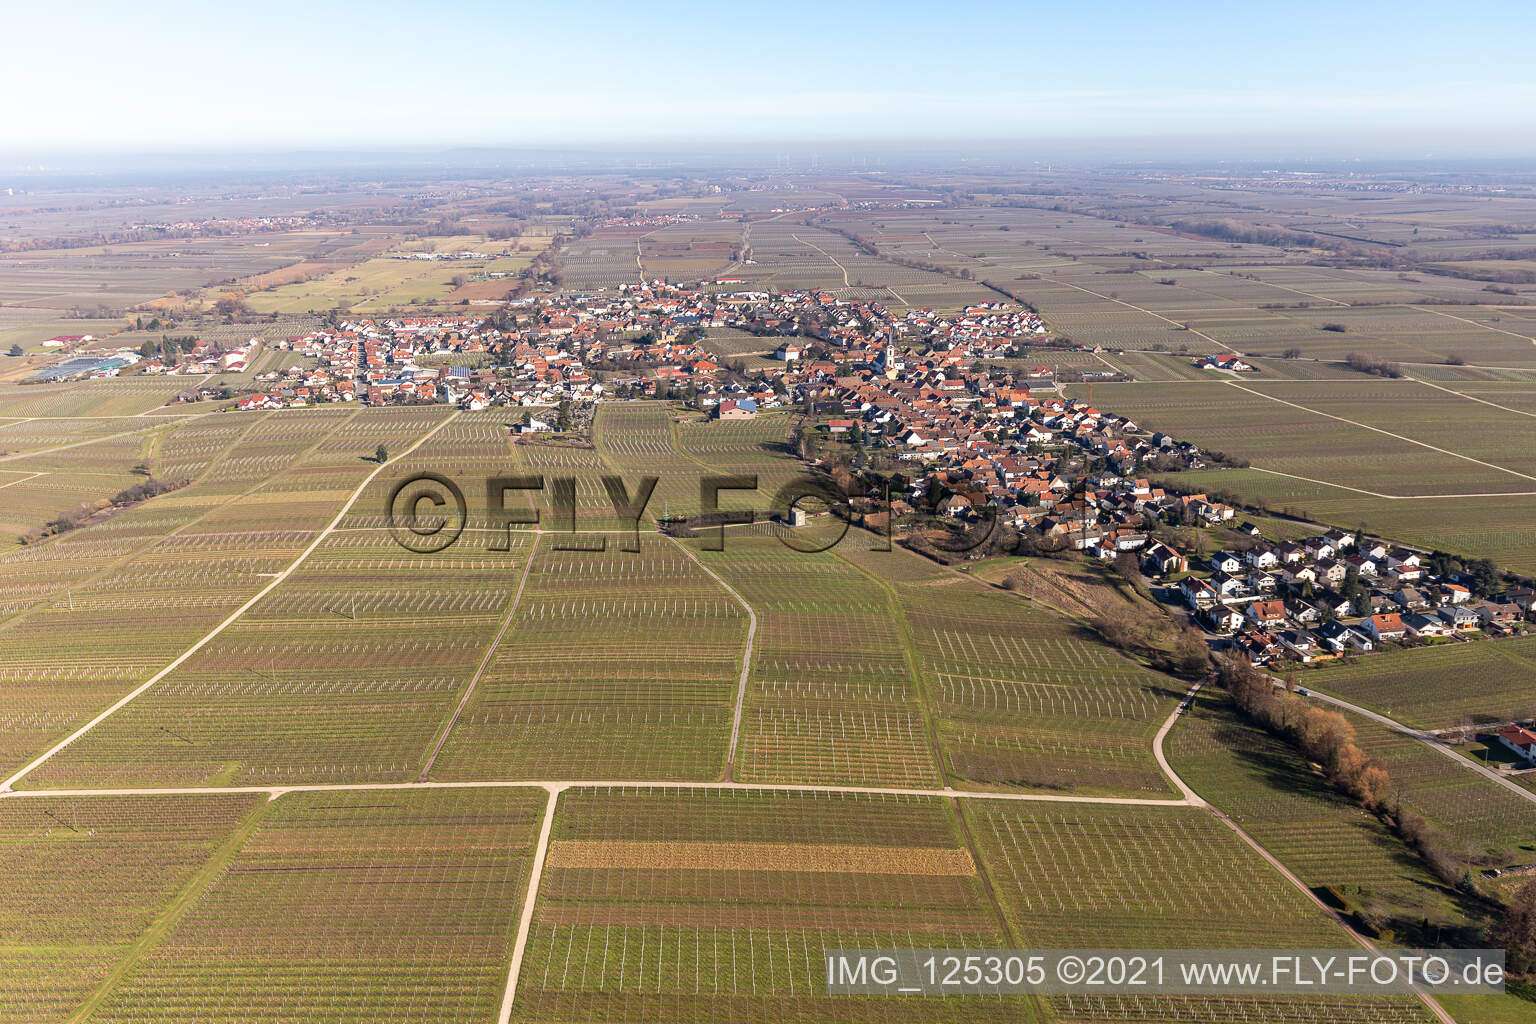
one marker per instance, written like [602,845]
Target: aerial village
[933,395]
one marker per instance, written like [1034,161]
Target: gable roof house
[1267,613]
[1420,624]
[1225,561]
[1386,627]
[1522,741]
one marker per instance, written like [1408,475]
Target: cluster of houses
[1228,361]
[1333,594]
[205,358]
[646,339]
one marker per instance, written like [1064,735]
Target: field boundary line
[273,792]
[530,901]
[235,616]
[1474,323]
[1162,733]
[1470,398]
[28,476]
[1397,497]
[485,663]
[1387,433]
[195,888]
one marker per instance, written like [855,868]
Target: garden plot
[349,908]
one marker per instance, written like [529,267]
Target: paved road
[1427,738]
[1428,1000]
[530,899]
[273,792]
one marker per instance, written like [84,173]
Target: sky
[104,76]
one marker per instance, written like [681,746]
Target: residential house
[1522,741]
[1225,561]
[1267,613]
[1460,617]
[1421,625]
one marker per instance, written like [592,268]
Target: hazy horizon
[1311,79]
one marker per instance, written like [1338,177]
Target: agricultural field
[1491,821]
[86,878]
[247,520]
[261,764]
[1443,686]
[346,907]
[1430,464]
[1316,832]
[832,698]
[1120,877]
[1021,697]
[615,665]
[383,283]
[699,905]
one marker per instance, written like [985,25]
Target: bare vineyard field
[1021,697]
[1489,819]
[348,908]
[85,878]
[1311,828]
[832,698]
[711,906]
[251,528]
[616,664]
[1442,686]
[1127,877]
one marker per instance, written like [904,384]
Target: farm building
[1522,741]
[736,409]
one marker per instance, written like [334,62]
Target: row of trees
[1327,739]
[1364,362]
[1323,737]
